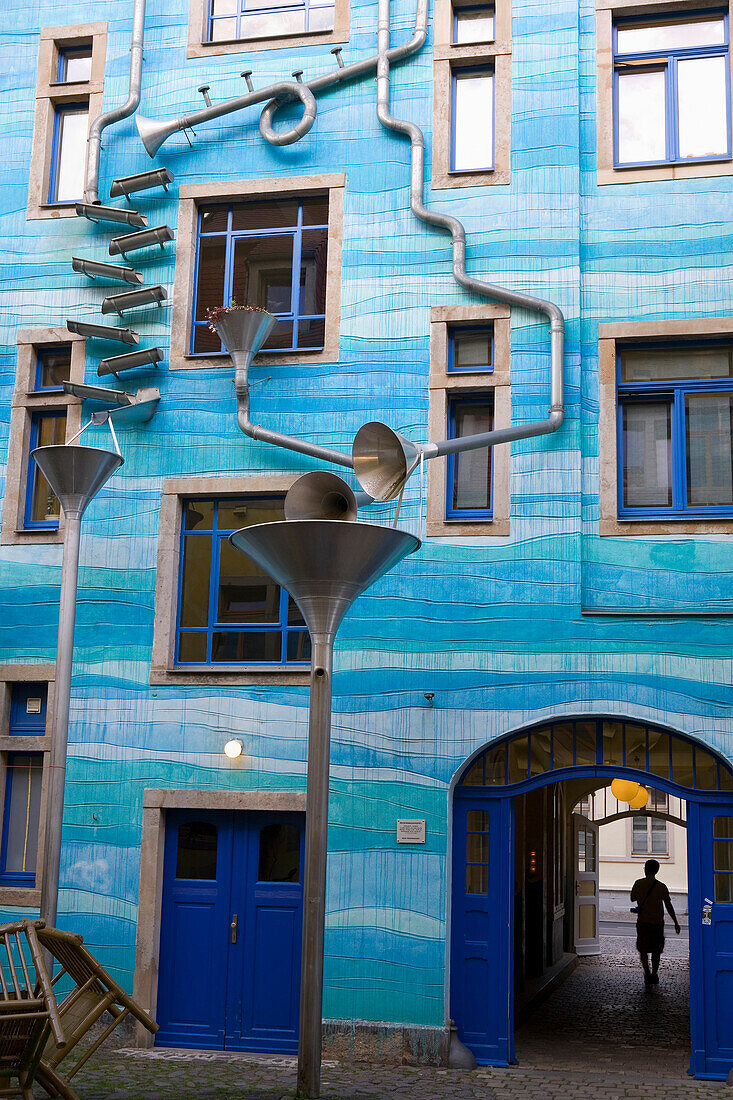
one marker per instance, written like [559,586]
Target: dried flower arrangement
[215,313]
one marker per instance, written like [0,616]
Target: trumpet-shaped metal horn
[154,132]
[383,460]
[320,495]
[243,332]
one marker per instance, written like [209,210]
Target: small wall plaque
[33,706]
[410,830]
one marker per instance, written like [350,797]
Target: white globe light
[233,749]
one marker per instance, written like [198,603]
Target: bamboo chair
[94,993]
[29,1015]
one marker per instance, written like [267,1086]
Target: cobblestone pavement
[602,1035]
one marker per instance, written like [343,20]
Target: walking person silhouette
[652,898]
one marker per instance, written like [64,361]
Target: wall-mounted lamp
[430,695]
[233,749]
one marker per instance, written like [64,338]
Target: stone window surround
[193,195]
[441,386]
[198,18]
[49,94]
[606,10]
[608,336]
[26,897]
[25,403]
[155,804]
[445,54]
[163,670]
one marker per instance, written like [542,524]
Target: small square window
[472,24]
[21,818]
[469,480]
[75,64]
[28,710]
[42,509]
[472,119]
[270,254]
[671,89]
[53,367]
[69,153]
[470,349]
[229,611]
[675,430]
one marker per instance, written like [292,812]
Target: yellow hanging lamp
[640,799]
[624,789]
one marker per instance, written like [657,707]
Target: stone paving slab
[602,1035]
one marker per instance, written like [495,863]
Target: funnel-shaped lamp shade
[320,495]
[243,332]
[324,564]
[383,460]
[76,474]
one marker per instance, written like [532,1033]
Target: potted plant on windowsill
[241,329]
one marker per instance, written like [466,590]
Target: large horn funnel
[383,460]
[324,564]
[76,474]
[320,495]
[243,332]
[154,132]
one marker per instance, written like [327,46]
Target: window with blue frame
[21,818]
[469,480]
[244,20]
[470,349]
[675,430]
[68,152]
[271,254]
[53,368]
[472,23]
[75,64]
[28,704]
[671,88]
[229,611]
[42,508]
[472,118]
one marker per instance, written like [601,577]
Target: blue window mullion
[213,584]
[679,451]
[672,111]
[284,625]
[295,286]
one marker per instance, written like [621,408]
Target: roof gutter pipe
[477,286]
[94,141]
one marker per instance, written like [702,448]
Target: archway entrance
[492,887]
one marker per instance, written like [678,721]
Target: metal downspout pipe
[94,141]
[264,435]
[489,290]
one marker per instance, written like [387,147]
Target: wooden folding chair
[29,1015]
[94,993]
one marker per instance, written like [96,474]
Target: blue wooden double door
[231,926]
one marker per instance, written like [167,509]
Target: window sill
[230,675]
[488,177]
[670,526]
[340,35]
[187,361]
[450,528]
[652,173]
[50,210]
[24,897]
[25,537]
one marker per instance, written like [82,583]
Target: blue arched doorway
[484,882]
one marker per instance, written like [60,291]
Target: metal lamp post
[324,564]
[76,474]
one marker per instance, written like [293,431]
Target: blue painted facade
[498,628]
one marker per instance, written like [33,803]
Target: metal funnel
[324,564]
[320,495]
[383,460]
[243,332]
[153,132]
[76,474]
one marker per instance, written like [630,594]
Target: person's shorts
[649,938]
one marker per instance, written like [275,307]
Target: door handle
[233,927]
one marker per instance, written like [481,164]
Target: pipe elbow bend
[557,415]
[301,128]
